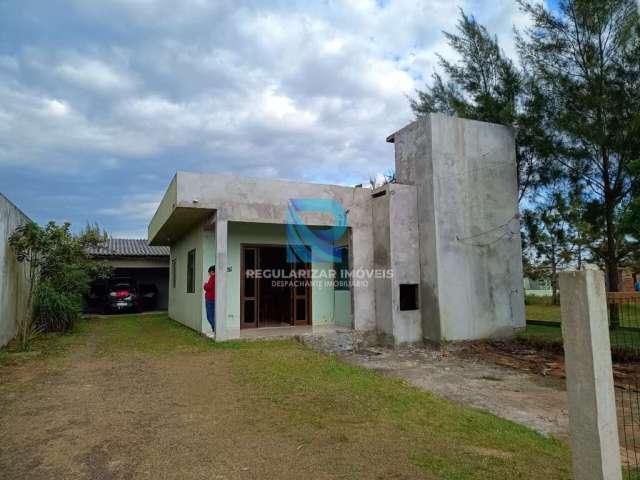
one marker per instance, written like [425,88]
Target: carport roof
[129,247]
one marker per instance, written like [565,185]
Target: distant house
[137,260]
[628,277]
[538,287]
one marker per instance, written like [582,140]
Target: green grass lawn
[626,340]
[543,313]
[548,333]
[276,408]
[629,314]
[621,339]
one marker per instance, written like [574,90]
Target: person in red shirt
[210,298]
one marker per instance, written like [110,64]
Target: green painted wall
[328,306]
[188,308]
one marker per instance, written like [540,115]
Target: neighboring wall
[470,252]
[13,275]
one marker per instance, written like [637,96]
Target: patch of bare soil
[532,400]
[523,357]
[510,379]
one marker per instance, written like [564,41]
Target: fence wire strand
[624,328]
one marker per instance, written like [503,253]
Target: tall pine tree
[485,85]
[585,59]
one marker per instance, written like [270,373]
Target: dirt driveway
[98,417]
[145,398]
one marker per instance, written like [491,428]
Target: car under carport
[133,258]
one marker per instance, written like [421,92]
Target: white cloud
[110,163]
[293,90]
[94,74]
[138,206]
[281,109]
[55,108]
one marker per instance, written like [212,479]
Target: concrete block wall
[382,261]
[396,248]
[468,224]
[405,250]
[14,284]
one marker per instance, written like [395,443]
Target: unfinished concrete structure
[447,230]
[14,284]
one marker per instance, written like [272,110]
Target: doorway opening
[275,297]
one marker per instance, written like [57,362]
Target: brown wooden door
[249,291]
[301,297]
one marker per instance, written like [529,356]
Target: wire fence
[624,327]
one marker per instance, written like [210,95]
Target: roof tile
[129,247]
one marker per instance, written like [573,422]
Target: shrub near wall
[60,270]
[53,310]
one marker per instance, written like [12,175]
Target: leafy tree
[585,60]
[59,273]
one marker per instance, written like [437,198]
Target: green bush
[55,310]
[59,272]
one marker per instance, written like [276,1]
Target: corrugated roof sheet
[129,247]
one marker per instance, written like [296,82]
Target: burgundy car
[123,296]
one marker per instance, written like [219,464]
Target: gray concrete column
[224,331]
[592,406]
[361,248]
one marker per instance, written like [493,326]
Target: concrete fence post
[592,407]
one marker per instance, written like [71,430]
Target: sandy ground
[539,402]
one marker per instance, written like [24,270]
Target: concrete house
[446,234]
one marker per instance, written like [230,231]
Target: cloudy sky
[101,102]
